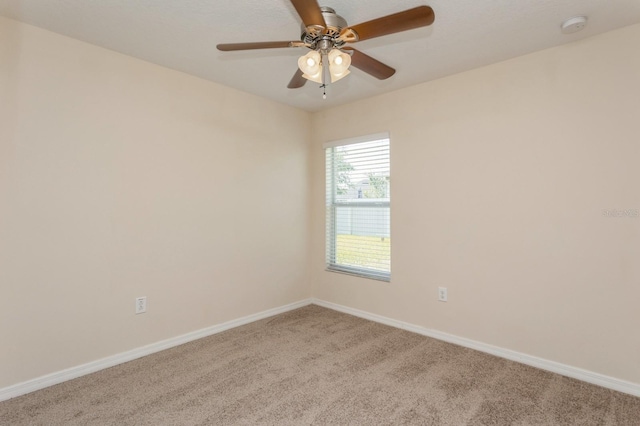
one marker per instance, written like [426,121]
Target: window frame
[332,205]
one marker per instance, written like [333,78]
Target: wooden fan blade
[297,81]
[417,17]
[369,65]
[309,12]
[258,45]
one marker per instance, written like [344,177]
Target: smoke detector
[573,25]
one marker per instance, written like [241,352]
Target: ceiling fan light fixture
[335,77]
[339,63]
[311,63]
[317,77]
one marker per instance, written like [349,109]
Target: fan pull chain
[324,91]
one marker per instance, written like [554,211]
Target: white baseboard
[544,364]
[91,367]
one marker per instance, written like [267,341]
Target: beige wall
[118,179]
[500,176]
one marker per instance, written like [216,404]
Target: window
[358,234]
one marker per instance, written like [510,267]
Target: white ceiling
[182,35]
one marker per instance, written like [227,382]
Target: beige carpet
[317,366]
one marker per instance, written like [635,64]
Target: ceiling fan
[326,34]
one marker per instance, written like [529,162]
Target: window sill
[381,276]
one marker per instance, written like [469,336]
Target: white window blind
[358,234]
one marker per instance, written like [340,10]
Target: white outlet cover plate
[141,305]
[442,294]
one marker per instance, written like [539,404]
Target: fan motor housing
[335,23]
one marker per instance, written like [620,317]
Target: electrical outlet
[442,294]
[141,305]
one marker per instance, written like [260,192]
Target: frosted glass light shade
[339,63]
[336,77]
[311,66]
